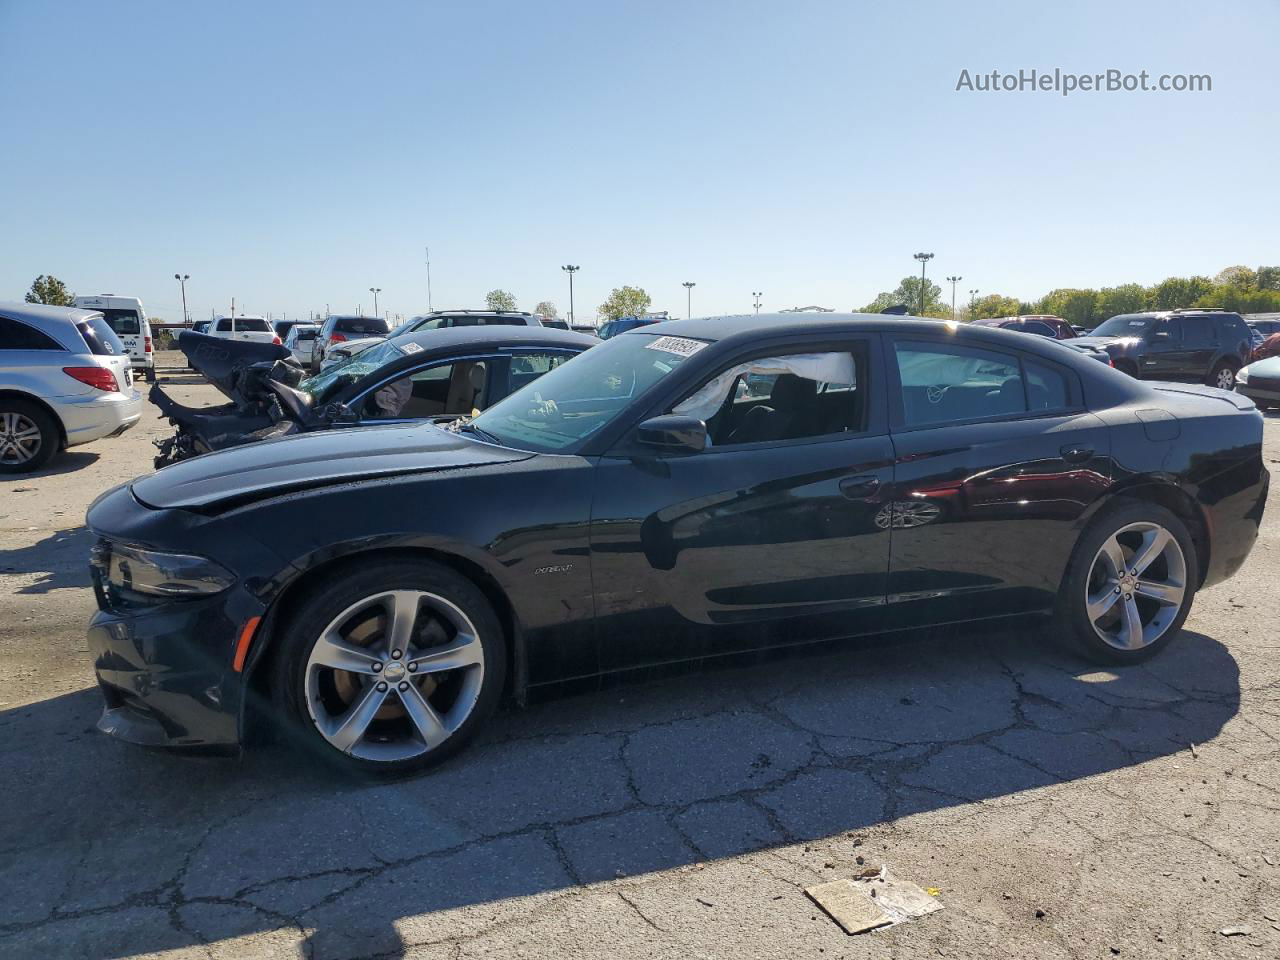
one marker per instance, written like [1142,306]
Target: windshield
[576,399]
[1125,325]
[324,385]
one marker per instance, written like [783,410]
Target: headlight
[1242,375]
[131,570]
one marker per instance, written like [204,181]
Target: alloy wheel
[19,438]
[1226,379]
[1136,586]
[394,675]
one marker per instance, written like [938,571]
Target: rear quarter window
[100,338]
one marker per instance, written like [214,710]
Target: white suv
[255,329]
[126,317]
[64,380]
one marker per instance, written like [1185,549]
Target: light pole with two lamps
[923,258]
[688,301]
[571,269]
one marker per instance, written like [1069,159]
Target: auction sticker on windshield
[681,346]
[412,348]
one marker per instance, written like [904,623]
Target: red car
[1041,324]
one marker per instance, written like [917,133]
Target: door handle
[1076,452]
[856,488]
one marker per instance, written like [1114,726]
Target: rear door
[1164,355]
[996,459]
[1199,347]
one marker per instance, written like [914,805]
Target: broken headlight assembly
[129,575]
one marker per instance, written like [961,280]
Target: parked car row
[679,492]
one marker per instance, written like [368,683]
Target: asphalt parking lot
[1058,809]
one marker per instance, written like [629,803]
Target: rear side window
[1039,329]
[943,383]
[123,322]
[1197,331]
[364,326]
[1046,387]
[99,338]
[15,335]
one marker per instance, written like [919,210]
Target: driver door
[777,533]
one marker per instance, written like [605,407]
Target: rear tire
[1112,616]
[29,436]
[420,666]
[1222,376]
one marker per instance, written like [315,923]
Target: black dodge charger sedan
[683,491]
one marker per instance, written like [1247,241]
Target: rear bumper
[88,418]
[1233,504]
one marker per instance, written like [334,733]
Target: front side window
[779,398]
[579,398]
[446,388]
[945,382]
[15,335]
[527,367]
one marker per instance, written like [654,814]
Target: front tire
[1129,585]
[29,436]
[392,669]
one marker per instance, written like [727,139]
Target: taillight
[146,347]
[276,341]
[337,338]
[100,378]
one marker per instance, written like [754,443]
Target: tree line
[1239,288]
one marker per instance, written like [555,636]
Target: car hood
[1268,367]
[1103,343]
[311,460]
[222,362]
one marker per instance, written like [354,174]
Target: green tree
[49,289]
[500,300]
[1241,301]
[994,305]
[625,302]
[1174,292]
[546,309]
[1238,276]
[1073,305]
[1269,278]
[1126,298]
[908,292]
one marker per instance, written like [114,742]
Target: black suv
[1207,346]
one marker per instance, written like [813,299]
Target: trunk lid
[223,362]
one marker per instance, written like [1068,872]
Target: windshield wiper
[484,435]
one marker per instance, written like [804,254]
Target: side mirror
[673,433]
[339,413]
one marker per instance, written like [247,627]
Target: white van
[255,329]
[125,316]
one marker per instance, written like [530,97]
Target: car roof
[42,313]
[489,336]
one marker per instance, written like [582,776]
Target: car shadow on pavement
[58,560]
[110,851]
[68,461]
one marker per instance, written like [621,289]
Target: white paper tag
[681,346]
[411,348]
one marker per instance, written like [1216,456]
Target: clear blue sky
[293,155]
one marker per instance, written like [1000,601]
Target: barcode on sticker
[681,346]
[411,348]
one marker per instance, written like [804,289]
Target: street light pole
[953,281]
[182,279]
[571,269]
[923,258]
[973,298]
[757,294]
[429,307]
[375,291]
[688,290]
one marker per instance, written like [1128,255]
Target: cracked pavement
[1062,810]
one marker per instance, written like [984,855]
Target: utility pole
[182,279]
[953,281]
[688,291]
[429,307]
[757,294]
[571,269]
[923,258]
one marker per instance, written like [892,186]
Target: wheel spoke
[1131,626]
[1113,556]
[351,726]
[1168,594]
[1153,544]
[332,651]
[1099,603]
[423,716]
[465,651]
[403,613]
